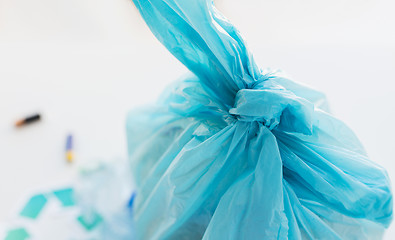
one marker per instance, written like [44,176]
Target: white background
[84,63]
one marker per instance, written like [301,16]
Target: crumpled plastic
[103,193]
[234,151]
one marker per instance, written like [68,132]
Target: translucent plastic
[237,152]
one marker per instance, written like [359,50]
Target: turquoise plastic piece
[17,234]
[234,151]
[34,206]
[65,196]
[90,222]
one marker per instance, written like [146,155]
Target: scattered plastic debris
[34,206]
[17,234]
[90,222]
[65,196]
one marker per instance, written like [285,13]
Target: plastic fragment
[34,206]
[17,234]
[65,196]
[90,222]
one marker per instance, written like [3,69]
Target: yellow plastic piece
[69,156]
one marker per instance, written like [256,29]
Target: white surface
[84,63]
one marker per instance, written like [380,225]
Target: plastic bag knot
[275,107]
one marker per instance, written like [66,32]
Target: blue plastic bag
[237,152]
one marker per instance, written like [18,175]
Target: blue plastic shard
[65,196]
[131,200]
[34,206]
[90,222]
[17,234]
